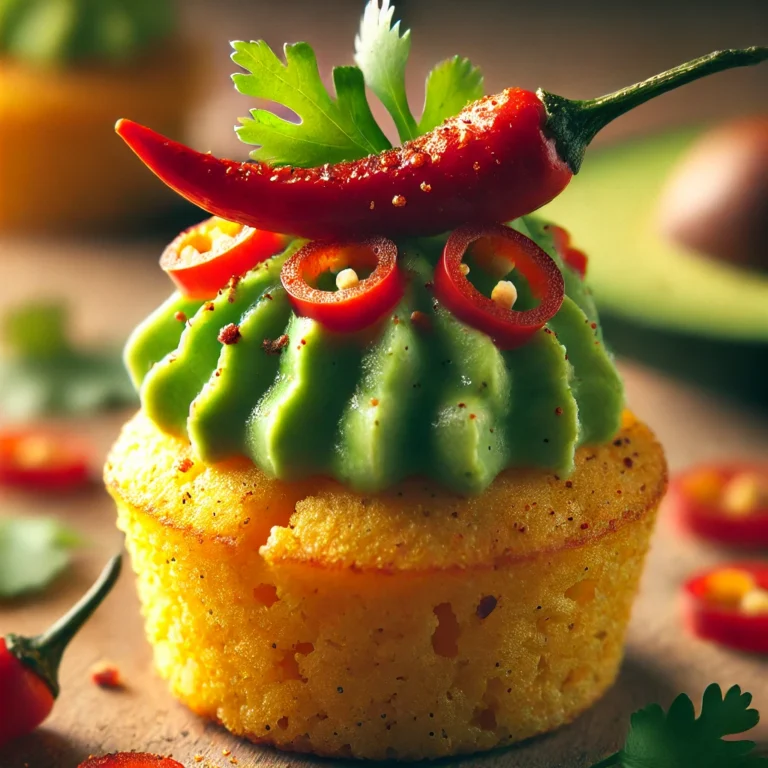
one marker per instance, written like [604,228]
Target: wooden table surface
[113,285]
[121,288]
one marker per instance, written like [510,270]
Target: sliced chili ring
[204,258]
[348,309]
[723,503]
[508,328]
[573,257]
[130,760]
[38,460]
[729,605]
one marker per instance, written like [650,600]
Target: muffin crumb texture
[416,624]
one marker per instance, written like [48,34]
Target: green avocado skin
[396,400]
[65,31]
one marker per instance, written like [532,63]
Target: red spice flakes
[374,402]
[230,334]
[462,405]
[185,464]
[232,288]
[617,442]
[209,306]
[568,484]
[486,606]
[558,411]
[181,317]
[421,321]
[106,675]
[472,416]
[593,326]
[628,463]
[274,347]
[584,526]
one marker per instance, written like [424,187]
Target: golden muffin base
[62,166]
[415,624]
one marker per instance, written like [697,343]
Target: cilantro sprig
[678,739]
[332,129]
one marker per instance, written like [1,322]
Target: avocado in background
[697,318]
[611,211]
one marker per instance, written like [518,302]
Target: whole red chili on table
[502,157]
[29,666]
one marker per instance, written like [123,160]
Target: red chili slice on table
[351,308]
[729,605]
[39,460]
[130,760]
[203,258]
[724,503]
[573,257]
[508,328]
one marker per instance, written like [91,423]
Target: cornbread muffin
[411,624]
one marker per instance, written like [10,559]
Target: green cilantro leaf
[33,552]
[677,739]
[382,53]
[45,373]
[329,130]
[451,85]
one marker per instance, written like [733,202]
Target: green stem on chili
[575,123]
[43,653]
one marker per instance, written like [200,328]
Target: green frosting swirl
[394,401]
[54,31]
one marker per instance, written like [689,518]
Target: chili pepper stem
[574,124]
[43,653]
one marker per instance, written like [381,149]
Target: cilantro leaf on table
[33,552]
[330,130]
[451,85]
[678,739]
[45,373]
[382,53]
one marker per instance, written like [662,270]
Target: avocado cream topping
[66,31]
[417,394]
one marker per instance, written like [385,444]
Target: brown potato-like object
[716,201]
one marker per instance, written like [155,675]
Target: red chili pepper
[729,605]
[130,760]
[573,257]
[724,503]
[347,309]
[29,666]
[205,257]
[40,460]
[501,157]
[508,328]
